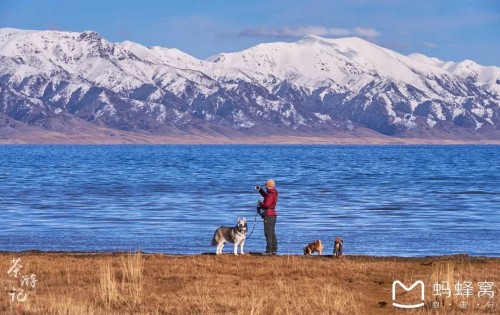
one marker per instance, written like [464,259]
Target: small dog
[315,246]
[234,235]
[337,247]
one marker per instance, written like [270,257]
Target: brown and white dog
[337,246]
[315,246]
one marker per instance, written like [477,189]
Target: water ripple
[384,200]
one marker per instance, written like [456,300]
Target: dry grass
[208,284]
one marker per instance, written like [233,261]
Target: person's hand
[257,187]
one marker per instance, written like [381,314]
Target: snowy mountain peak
[90,36]
[159,55]
[313,60]
[65,45]
[312,83]
[466,69]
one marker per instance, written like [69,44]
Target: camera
[261,211]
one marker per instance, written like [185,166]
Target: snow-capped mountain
[316,85]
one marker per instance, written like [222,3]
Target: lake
[383,200]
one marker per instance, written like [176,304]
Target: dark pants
[269,232]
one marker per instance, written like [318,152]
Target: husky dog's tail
[214,239]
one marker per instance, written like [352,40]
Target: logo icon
[397,282]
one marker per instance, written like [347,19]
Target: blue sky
[450,30]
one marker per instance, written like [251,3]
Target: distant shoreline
[261,140]
[93,134]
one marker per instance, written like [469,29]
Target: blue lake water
[383,200]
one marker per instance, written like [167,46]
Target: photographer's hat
[270,183]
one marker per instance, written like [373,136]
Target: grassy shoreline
[139,283]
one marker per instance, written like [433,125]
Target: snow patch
[322,117]
[241,120]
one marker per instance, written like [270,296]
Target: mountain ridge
[318,85]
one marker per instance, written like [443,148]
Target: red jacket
[270,200]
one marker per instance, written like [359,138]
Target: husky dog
[337,246]
[234,235]
[315,246]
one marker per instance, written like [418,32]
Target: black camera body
[261,211]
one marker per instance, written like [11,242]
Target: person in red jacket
[269,205]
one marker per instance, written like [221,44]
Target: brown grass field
[138,283]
